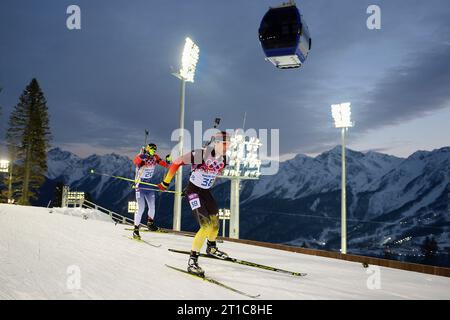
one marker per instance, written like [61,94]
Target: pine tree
[28,139]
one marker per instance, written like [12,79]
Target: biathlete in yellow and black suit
[207,164]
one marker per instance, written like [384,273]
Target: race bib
[202,179]
[194,201]
[148,173]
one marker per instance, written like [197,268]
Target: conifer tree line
[27,140]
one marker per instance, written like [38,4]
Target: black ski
[211,280]
[246,263]
[143,241]
[161,231]
[146,230]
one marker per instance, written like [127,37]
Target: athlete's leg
[150,199]
[214,228]
[203,232]
[197,203]
[140,199]
[213,215]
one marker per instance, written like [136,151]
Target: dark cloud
[409,91]
[108,82]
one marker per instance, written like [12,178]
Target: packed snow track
[80,254]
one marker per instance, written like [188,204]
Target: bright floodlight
[132,207]
[189,61]
[4,165]
[75,196]
[341,115]
[243,157]
[224,214]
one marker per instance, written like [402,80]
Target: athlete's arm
[187,158]
[161,162]
[139,160]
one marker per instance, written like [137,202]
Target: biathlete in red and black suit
[146,162]
[207,164]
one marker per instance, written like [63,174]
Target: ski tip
[177,251]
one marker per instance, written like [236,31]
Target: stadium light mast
[224,215]
[342,120]
[186,74]
[243,164]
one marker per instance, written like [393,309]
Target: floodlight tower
[243,165]
[342,119]
[224,214]
[186,74]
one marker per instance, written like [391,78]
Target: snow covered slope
[82,213]
[40,251]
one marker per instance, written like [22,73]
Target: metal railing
[114,216]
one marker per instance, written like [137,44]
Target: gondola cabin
[284,36]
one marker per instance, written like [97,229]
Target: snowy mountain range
[393,203]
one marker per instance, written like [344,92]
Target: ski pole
[146,135]
[122,178]
[170,191]
[131,180]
